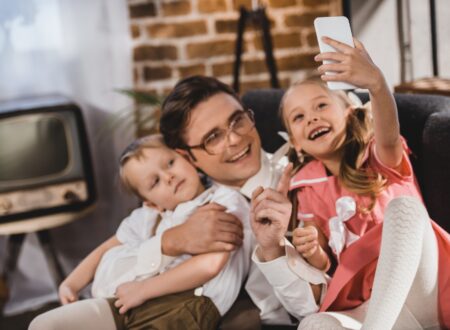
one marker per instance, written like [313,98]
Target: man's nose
[233,138]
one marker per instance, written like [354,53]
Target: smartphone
[337,28]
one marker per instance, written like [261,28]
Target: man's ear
[153,206]
[186,154]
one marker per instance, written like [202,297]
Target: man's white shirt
[283,282]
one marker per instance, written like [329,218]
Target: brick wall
[179,38]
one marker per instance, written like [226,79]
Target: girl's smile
[316,120]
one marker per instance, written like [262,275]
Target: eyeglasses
[242,123]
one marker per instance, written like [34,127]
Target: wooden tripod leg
[268,49]
[239,43]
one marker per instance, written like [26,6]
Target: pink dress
[320,198]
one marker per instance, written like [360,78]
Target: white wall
[80,49]
[375,24]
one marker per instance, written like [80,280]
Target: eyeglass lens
[241,125]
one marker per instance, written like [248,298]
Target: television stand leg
[53,263]
[13,247]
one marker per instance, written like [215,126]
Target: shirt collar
[262,178]
[267,176]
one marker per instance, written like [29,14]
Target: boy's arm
[84,272]
[190,274]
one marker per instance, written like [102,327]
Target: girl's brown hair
[359,132]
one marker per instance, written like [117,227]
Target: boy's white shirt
[283,282]
[130,261]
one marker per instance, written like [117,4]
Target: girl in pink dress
[351,163]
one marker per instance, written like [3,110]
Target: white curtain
[80,49]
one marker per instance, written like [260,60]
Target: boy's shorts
[176,311]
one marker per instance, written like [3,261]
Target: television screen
[45,165]
[35,146]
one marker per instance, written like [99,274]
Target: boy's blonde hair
[135,151]
[359,132]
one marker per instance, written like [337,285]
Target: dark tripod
[259,18]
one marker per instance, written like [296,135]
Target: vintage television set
[46,174]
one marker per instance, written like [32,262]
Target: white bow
[340,236]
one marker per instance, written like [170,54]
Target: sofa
[425,124]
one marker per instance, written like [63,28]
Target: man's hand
[208,229]
[129,295]
[67,294]
[270,215]
[306,240]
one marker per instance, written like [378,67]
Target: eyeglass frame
[248,112]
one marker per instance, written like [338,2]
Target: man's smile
[240,155]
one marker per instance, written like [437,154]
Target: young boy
[169,186]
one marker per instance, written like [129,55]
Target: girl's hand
[306,240]
[67,294]
[129,295]
[270,215]
[353,65]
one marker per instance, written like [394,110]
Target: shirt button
[153,265]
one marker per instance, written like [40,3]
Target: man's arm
[192,273]
[209,229]
[84,272]
[296,284]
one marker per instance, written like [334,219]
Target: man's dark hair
[184,97]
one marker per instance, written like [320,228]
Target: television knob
[5,206]
[71,196]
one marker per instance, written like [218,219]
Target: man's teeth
[239,155]
[318,132]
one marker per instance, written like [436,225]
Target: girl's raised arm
[355,66]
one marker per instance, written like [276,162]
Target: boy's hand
[353,65]
[129,295]
[67,294]
[306,240]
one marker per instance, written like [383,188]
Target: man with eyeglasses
[205,120]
